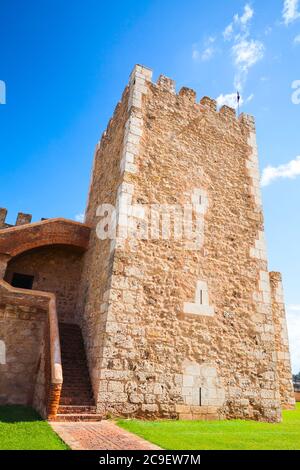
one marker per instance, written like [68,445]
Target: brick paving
[104,435]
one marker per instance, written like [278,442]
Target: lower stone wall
[21,333]
[297,396]
[284,369]
[41,386]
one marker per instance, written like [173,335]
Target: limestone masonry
[167,279]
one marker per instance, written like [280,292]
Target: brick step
[70,326]
[77,400]
[77,382]
[74,358]
[72,349]
[76,386]
[71,356]
[76,409]
[78,417]
[76,389]
[82,399]
[72,342]
[74,380]
[75,368]
[77,374]
[70,336]
[76,396]
[73,401]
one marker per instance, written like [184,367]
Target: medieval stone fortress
[160,304]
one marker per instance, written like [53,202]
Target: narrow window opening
[22,281]
[200,397]
[201,297]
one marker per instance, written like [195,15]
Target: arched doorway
[51,268]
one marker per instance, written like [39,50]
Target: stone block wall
[56,269]
[179,325]
[99,258]
[286,388]
[21,333]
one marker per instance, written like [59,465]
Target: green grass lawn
[220,435]
[21,428]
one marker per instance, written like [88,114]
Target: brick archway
[16,240]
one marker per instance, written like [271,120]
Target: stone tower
[180,315]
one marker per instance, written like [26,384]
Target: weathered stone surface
[55,269]
[21,330]
[179,314]
[158,150]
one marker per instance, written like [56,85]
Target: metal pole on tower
[238,96]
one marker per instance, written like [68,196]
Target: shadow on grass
[18,414]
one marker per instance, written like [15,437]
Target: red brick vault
[172,326]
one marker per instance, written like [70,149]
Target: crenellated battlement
[189,95]
[185,95]
[168,85]
[22,219]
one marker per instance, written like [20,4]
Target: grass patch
[21,428]
[220,435]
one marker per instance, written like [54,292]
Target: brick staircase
[76,402]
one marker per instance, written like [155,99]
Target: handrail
[46,301]
[55,352]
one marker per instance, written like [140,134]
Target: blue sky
[65,65]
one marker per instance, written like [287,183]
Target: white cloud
[294,307]
[79,217]
[208,51]
[268,30]
[290,171]
[293,321]
[239,22]
[228,32]
[247,15]
[246,53]
[297,39]
[290,11]
[195,53]
[231,100]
